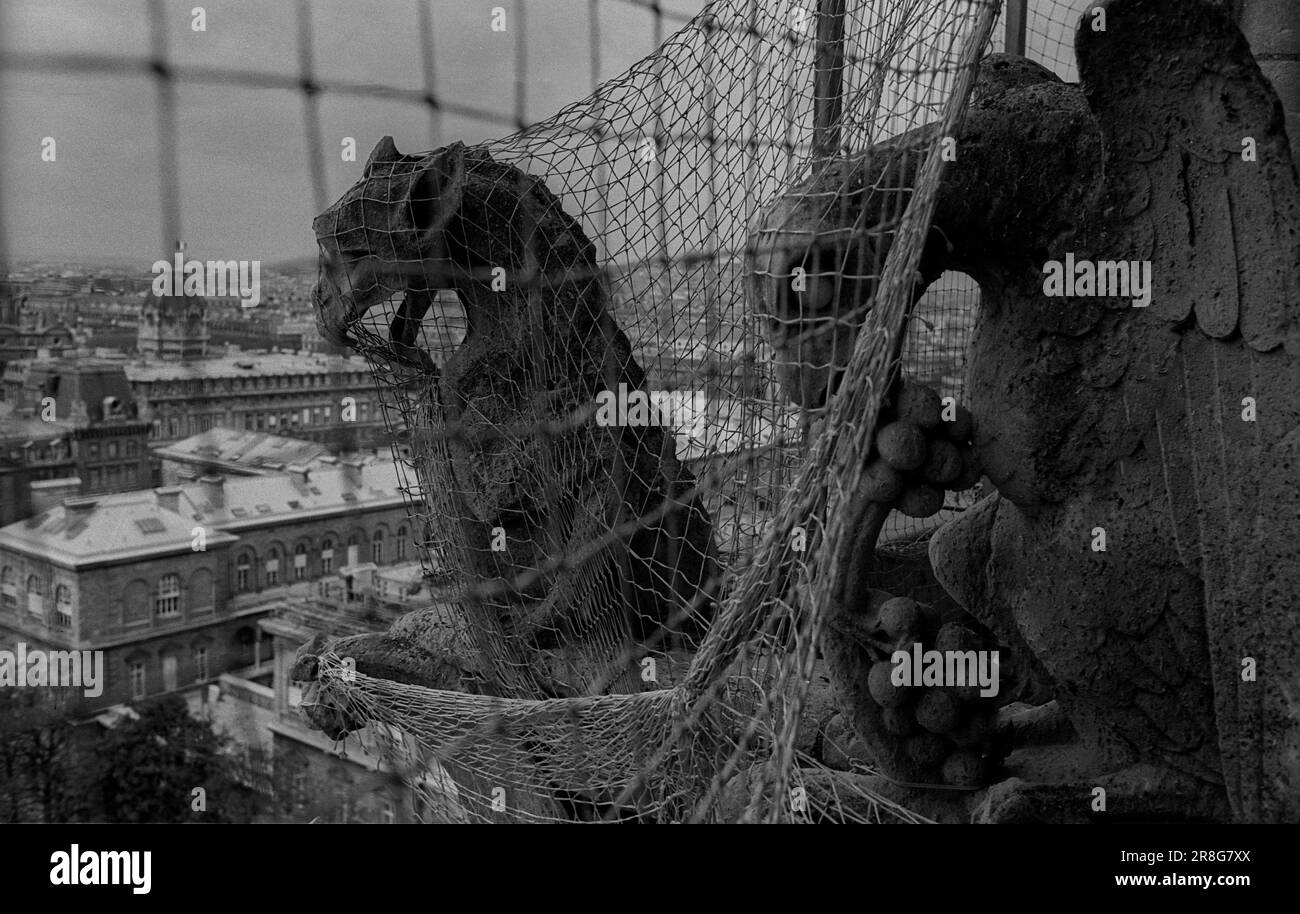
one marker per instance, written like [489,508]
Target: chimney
[299,470]
[50,493]
[214,490]
[79,507]
[169,498]
[352,469]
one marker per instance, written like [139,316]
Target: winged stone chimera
[1174,653]
[504,436]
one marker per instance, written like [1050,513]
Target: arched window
[7,588]
[243,566]
[167,596]
[401,543]
[135,669]
[63,606]
[377,547]
[273,567]
[35,599]
[200,663]
[300,562]
[327,556]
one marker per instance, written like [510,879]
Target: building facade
[170,582]
[314,777]
[328,399]
[173,327]
[70,426]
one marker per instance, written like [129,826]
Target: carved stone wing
[1214,370]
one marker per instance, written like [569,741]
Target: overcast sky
[245,188]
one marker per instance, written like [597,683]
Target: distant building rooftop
[244,452]
[15,427]
[109,528]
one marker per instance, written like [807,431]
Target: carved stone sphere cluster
[947,732]
[922,448]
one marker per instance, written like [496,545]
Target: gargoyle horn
[385,151]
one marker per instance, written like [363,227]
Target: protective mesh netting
[640,602]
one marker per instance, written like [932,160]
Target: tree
[40,780]
[166,766]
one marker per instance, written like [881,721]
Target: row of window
[296,418]
[138,672]
[130,449]
[298,570]
[164,600]
[110,449]
[116,474]
[257,382]
[31,455]
[34,597]
[167,597]
[167,591]
[178,426]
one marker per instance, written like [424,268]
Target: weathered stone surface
[818,709]
[842,746]
[1091,413]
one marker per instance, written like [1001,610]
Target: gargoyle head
[815,258]
[386,235]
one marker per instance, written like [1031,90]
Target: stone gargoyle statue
[1134,380]
[504,439]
